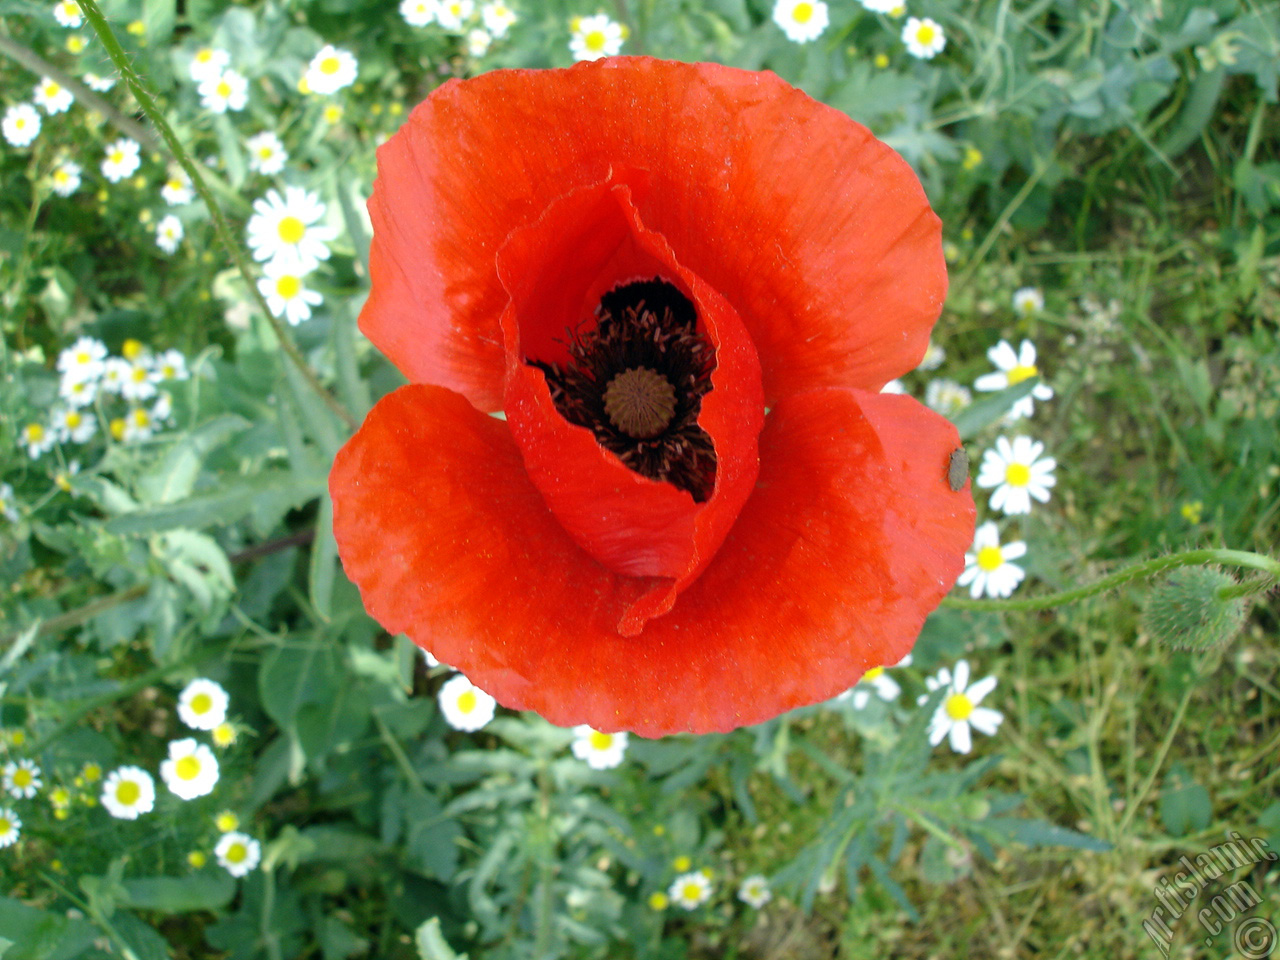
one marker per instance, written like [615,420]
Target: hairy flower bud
[1187,611]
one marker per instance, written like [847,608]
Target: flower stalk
[1269,567]
[148,105]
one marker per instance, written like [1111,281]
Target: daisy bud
[1188,612]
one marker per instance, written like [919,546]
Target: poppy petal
[556,270]
[851,537]
[819,235]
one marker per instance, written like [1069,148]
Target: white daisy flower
[7,508]
[288,228]
[894,386]
[83,360]
[498,18]
[100,84]
[66,178]
[882,6]
[286,294]
[418,13]
[78,393]
[946,396]
[237,853]
[330,70]
[208,63]
[191,770]
[170,365]
[754,891]
[453,14]
[478,42]
[987,569]
[128,793]
[464,705]
[599,751]
[202,705]
[76,426]
[114,374]
[266,153]
[177,189]
[138,426]
[924,37]
[52,97]
[595,37]
[1018,473]
[22,778]
[21,124]
[121,160]
[1028,301]
[227,91]
[933,357]
[162,410]
[877,681]
[10,827]
[1013,368]
[801,20]
[959,708]
[138,383]
[169,233]
[690,890]
[68,14]
[36,440]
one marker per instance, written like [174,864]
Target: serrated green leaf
[275,490]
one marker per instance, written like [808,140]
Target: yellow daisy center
[83,355]
[330,65]
[227,822]
[1020,373]
[201,703]
[990,558]
[51,89]
[141,418]
[204,56]
[601,741]
[6,826]
[925,35]
[224,89]
[35,432]
[873,673]
[467,701]
[265,152]
[288,286]
[291,229]
[116,157]
[117,428]
[22,777]
[224,734]
[22,123]
[188,768]
[959,706]
[236,853]
[128,793]
[802,13]
[73,419]
[690,891]
[682,864]
[91,772]
[61,176]
[133,348]
[658,901]
[1017,474]
[139,374]
[594,41]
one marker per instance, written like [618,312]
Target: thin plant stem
[1139,571]
[148,105]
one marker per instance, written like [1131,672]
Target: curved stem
[148,105]
[1139,571]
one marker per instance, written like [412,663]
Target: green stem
[148,105]
[1139,571]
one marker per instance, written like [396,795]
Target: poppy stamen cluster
[636,381]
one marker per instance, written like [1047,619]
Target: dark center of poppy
[637,381]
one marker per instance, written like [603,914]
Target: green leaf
[269,492]
[980,414]
[38,935]
[174,476]
[323,569]
[431,943]
[201,891]
[1041,833]
[197,562]
[297,674]
[1185,806]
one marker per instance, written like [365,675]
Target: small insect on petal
[957,469]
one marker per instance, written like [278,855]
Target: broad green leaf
[200,891]
[39,935]
[174,476]
[274,490]
[1185,806]
[980,414]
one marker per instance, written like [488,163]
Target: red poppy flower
[684,286]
